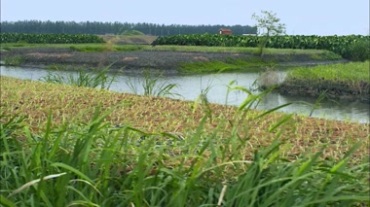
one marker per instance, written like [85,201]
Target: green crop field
[338,44]
[49,38]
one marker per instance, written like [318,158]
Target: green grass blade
[73,170]
[5,202]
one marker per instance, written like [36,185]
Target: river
[189,87]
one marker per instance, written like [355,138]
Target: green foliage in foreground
[96,164]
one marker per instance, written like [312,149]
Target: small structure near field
[224,31]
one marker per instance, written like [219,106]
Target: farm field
[100,148]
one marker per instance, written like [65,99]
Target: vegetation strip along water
[348,81]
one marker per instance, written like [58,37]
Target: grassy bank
[115,46]
[345,81]
[183,59]
[99,148]
[251,65]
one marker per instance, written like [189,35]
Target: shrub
[358,51]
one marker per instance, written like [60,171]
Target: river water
[189,87]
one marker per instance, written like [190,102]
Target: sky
[301,17]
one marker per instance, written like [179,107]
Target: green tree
[268,25]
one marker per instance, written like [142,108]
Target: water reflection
[216,85]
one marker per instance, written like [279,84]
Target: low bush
[358,51]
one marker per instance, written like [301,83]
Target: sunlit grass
[353,71]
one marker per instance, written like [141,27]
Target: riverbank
[350,82]
[168,59]
[189,87]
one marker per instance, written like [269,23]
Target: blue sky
[307,17]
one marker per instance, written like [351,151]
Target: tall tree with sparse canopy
[268,25]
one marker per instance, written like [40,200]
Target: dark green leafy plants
[49,38]
[358,50]
[338,44]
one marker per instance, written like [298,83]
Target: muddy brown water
[189,87]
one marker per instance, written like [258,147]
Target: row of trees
[71,27]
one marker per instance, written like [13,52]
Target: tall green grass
[99,164]
[151,85]
[83,78]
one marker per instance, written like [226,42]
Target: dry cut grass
[36,100]
[129,39]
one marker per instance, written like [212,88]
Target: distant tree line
[71,27]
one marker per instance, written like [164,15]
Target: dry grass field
[129,39]
[36,100]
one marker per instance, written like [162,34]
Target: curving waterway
[189,87]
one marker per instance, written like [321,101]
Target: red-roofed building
[223,31]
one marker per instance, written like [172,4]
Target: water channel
[189,87]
